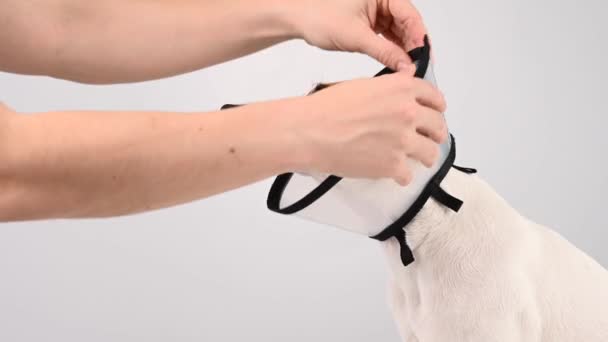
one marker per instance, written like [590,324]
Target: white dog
[488,274]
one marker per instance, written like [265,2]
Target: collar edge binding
[433,190]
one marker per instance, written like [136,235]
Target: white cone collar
[361,206]
[379,209]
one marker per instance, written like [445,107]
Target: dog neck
[482,207]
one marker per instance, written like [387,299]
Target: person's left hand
[354,25]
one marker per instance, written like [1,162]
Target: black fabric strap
[465,169]
[444,198]
[405,252]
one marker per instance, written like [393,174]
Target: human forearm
[98,164]
[116,41]
[124,41]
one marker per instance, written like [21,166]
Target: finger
[428,95]
[398,40]
[423,150]
[431,124]
[410,35]
[392,37]
[407,24]
[408,69]
[383,50]
[403,175]
[410,46]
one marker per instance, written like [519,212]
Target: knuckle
[406,141]
[394,166]
[409,112]
[387,55]
[394,161]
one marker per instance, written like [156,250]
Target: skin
[119,163]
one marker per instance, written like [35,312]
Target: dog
[487,273]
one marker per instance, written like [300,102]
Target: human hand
[354,25]
[367,128]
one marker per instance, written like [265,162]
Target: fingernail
[403,66]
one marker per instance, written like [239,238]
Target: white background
[525,83]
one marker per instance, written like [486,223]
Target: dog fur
[488,274]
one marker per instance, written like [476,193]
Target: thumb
[384,51]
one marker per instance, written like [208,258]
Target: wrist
[274,134]
[283,18]
[292,117]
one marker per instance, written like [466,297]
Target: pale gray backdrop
[525,81]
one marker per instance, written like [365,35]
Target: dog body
[488,274]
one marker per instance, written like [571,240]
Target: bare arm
[97,164]
[94,164]
[114,41]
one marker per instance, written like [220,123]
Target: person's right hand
[367,128]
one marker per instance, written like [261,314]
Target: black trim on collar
[280,183]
